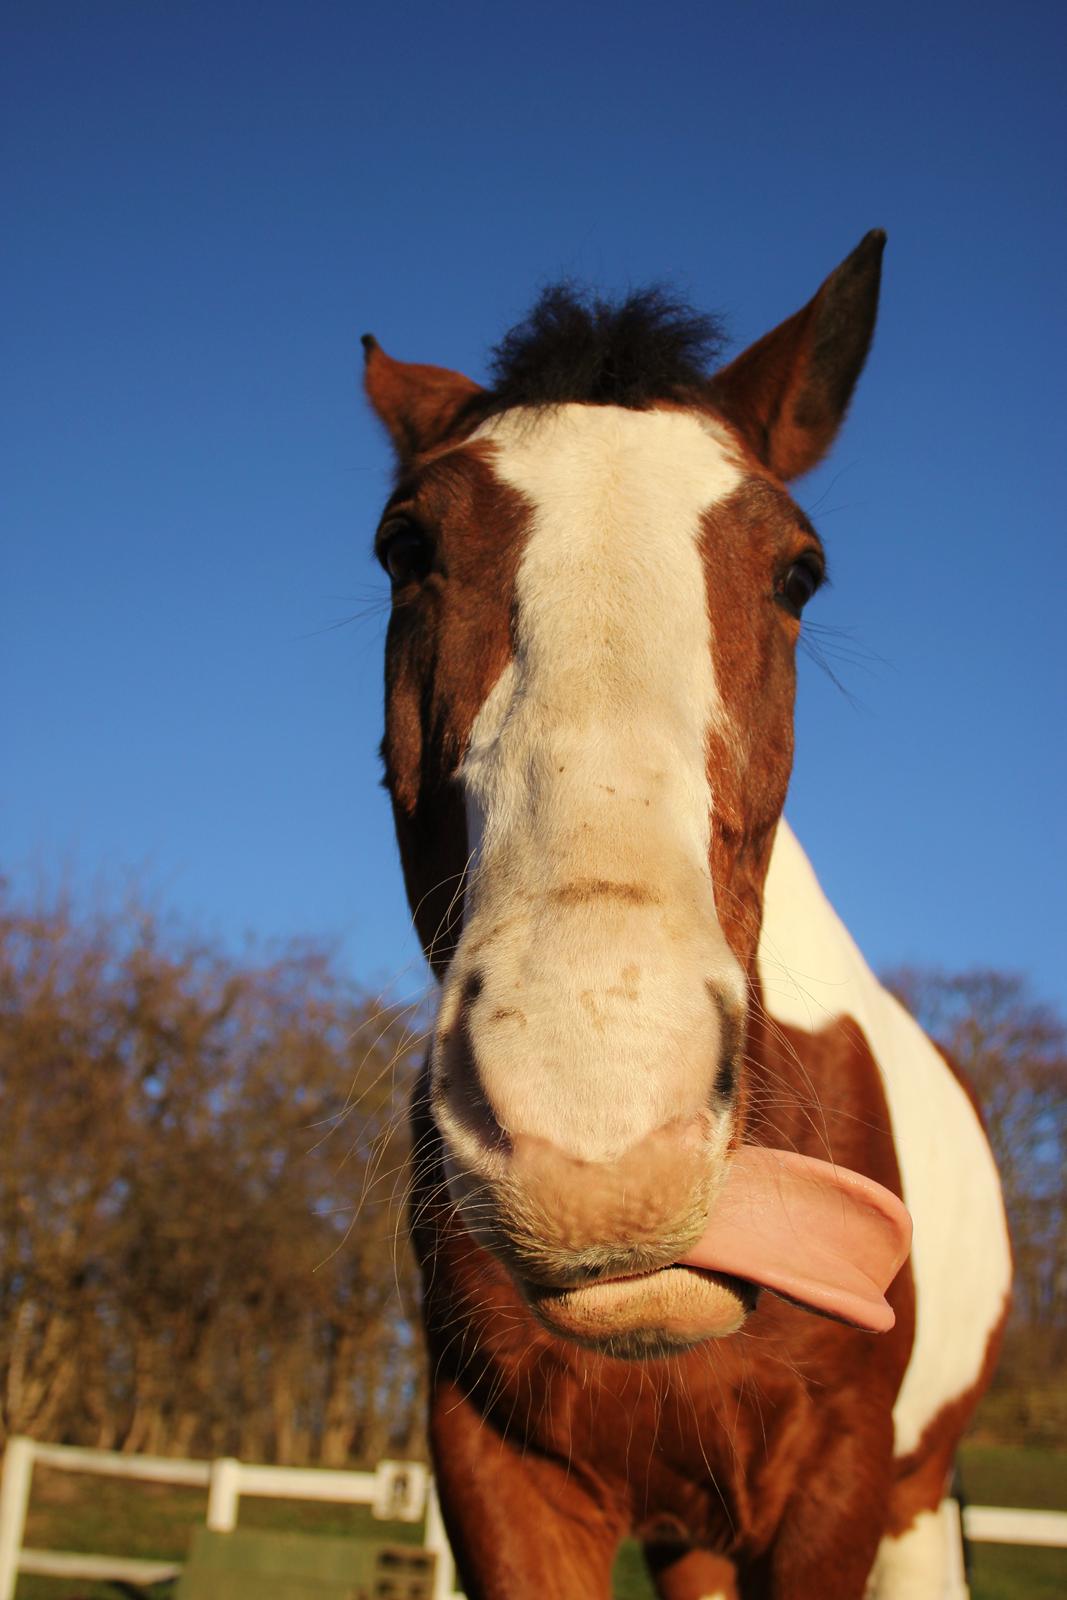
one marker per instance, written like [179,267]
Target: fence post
[952,1533]
[436,1539]
[14,1503]
[222,1495]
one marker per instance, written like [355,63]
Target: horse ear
[788,393]
[417,404]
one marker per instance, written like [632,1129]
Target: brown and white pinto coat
[590,688]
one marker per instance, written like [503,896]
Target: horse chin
[649,1315]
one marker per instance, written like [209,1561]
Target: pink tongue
[827,1238]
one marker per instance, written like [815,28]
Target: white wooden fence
[399,1491]
[396,1490]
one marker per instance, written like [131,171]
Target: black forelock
[579,347]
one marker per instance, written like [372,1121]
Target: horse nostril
[458,1086]
[726,1078]
[473,985]
[731,1039]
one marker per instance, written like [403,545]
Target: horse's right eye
[404,551]
[799,582]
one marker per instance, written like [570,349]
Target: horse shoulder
[813,976]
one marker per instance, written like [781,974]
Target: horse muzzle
[595,1247]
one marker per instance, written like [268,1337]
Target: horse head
[598,576]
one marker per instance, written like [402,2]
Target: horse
[661,1075]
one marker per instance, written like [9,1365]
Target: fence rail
[395,1490]
[1006,1525]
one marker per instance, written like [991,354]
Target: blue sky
[207,204]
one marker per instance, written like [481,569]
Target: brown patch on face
[508,1014]
[748,540]
[449,639]
[627,988]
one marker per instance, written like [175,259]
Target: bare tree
[201,1189]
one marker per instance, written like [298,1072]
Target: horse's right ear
[417,404]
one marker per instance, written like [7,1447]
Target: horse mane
[575,346]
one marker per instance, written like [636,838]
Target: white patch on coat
[590,913]
[925,1562]
[812,973]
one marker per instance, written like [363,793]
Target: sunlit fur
[917,1564]
[588,744]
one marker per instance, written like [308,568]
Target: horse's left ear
[789,392]
[417,404]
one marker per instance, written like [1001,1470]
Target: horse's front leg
[830,1529]
[680,1572]
[523,1526]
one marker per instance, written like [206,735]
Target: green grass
[1014,1475]
[73,1512]
[1011,1475]
[1005,1572]
[632,1581]
[110,1516]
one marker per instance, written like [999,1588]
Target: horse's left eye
[798,583]
[403,551]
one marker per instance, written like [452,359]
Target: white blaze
[586,780]
[613,641]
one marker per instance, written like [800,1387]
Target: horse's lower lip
[645,1314]
[746,1292]
[741,1287]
